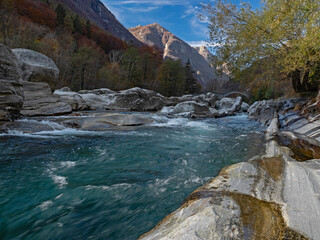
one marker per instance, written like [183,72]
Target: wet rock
[137,99]
[208,98]
[167,110]
[73,99]
[36,66]
[192,108]
[244,107]
[229,104]
[125,119]
[134,99]
[99,91]
[39,101]
[11,94]
[107,122]
[95,101]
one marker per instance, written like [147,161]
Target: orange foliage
[37,12]
[106,41]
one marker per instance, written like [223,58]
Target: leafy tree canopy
[284,31]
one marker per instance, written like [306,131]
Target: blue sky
[178,16]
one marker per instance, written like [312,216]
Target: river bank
[270,196]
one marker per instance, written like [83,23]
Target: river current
[117,185]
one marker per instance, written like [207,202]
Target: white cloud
[146,9]
[199,28]
[189,11]
[115,11]
[197,43]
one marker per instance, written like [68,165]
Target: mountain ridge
[98,13]
[175,48]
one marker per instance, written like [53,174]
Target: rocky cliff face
[204,52]
[175,48]
[96,11]
[11,94]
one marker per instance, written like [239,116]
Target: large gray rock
[191,109]
[39,101]
[36,66]
[208,98]
[11,94]
[73,99]
[137,99]
[134,99]
[230,104]
[244,107]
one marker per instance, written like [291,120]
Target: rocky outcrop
[96,11]
[263,111]
[269,197]
[137,99]
[134,99]
[208,98]
[230,104]
[191,109]
[204,51]
[11,94]
[39,101]
[175,48]
[72,98]
[36,66]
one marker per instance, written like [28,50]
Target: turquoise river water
[69,184]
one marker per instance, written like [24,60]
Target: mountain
[204,51]
[175,48]
[97,12]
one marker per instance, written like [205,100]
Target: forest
[89,57]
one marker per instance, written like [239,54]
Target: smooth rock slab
[73,99]
[106,122]
[302,196]
[39,101]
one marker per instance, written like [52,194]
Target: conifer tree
[61,14]
[191,81]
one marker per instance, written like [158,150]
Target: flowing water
[71,184]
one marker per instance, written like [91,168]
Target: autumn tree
[85,63]
[7,9]
[285,32]
[130,63]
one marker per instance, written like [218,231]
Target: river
[71,184]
